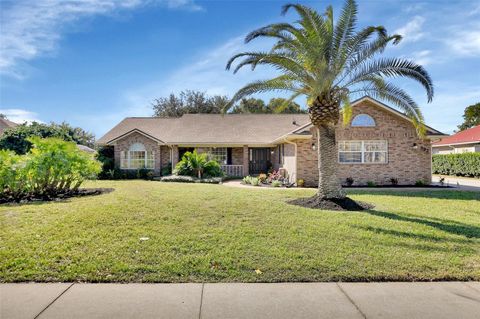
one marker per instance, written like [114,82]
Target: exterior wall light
[314,147]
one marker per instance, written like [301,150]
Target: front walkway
[280,300]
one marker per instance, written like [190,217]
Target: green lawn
[208,233]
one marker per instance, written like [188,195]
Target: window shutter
[229,156]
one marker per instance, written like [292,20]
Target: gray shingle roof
[4,124]
[211,128]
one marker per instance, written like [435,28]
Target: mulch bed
[59,196]
[346,204]
[397,186]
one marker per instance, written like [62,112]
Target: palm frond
[394,67]
[280,83]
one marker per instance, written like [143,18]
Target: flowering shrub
[275,176]
[51,167]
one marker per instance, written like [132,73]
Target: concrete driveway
[241,300]
[461,183]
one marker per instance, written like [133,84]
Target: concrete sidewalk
[280,300]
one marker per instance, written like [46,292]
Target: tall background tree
[471,117]
[192,102]
[15,139]
[275,105]
[188,102]
[329,63]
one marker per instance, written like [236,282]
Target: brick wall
[237,156]
[125,143]
[404,162]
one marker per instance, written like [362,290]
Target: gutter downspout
[296,159]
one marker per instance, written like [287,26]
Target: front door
[259,160]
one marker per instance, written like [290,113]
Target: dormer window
[363,120]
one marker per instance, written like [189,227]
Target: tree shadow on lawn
[423,237]
[438,194]
[448,226]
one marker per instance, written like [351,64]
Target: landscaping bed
[397,186]
[55,196]
[179,232]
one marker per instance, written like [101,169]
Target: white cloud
[20,115]
[414,7]
[423,57]
[184,4]
[33,28]
[207,73]
[412,31]
[449,103]
[465,43]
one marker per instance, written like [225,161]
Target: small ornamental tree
[197,165]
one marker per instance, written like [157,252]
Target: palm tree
[328,64]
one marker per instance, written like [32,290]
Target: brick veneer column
[116,156]
[245,160]
[174,156]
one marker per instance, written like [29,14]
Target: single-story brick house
[380,143]
[465,141]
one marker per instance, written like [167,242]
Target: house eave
[113,141]
[454,144]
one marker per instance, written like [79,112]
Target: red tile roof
[471,135]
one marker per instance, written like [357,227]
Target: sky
[93,62]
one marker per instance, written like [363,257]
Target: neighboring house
[85,148]
[4,124]
[380,143]
[462,142]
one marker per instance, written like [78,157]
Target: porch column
[158,159]
[245,160]
[116,156]
[174,152]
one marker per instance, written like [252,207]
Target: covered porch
[237,161]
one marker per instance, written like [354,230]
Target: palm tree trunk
[324,114]
[328,184]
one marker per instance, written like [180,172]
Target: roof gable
[430,131]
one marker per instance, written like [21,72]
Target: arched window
[363,120]
[137,157]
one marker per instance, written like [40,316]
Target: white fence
[233,170]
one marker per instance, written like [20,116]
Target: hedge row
[465,164]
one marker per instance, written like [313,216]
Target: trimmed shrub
[52,167]
[167,170]
[464,164]
[255,181]
[349,181]
[190,179]
[247,180]
[276,183]
[105,155]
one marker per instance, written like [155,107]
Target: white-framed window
[362,152]
[219,154]
[363,120]
[137,157]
